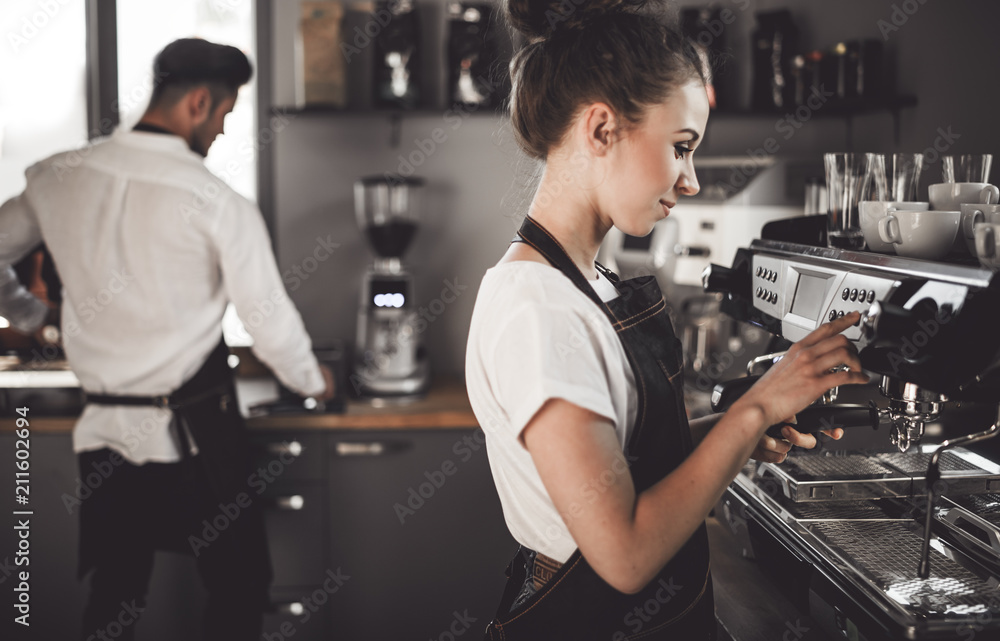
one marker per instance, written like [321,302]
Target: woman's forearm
[701,426]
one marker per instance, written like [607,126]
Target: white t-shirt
[535,337]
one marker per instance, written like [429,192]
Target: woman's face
[652,165]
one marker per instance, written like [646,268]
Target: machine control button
[871,297]
[833,314]
[760,271]
[840,314]
[845,294]
[862,295]
[854,295]
[760,292]
[774,297]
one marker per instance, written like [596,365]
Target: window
[146,26]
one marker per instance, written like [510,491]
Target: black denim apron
[204,406]
[576,604]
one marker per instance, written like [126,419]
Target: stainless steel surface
[885,264]
[910,408]
[850,525]
[852,477]
[347,448]
[866,549]
[18,374]
[292,448]
[933,474]
[888,567]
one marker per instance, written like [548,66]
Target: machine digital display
[388,293]
[810,292]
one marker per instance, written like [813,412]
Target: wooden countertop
[446,406]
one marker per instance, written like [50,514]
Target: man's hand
[48,333]
[331,386]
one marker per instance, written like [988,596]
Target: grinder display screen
[388,293]
[809,296]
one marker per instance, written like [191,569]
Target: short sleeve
[543,352]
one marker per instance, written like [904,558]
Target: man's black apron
[204,406]
[576,604]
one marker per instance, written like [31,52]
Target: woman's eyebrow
[694,134]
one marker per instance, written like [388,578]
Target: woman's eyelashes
[681,151]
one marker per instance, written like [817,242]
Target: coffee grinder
[390,361]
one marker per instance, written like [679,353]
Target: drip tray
[857,476]
[891,567]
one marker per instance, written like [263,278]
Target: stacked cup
[966,189]
[893,221]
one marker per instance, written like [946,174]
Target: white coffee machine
[390,361]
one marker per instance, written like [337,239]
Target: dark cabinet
[385,534]
[55,596]
[416,523]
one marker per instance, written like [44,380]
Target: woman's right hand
[804,373]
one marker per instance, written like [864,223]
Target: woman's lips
[667,207]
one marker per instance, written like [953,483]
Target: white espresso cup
[920,234]
[872,211]
[988,244]
[972,215]
[950,196]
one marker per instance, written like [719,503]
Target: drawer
[295,517]
[289,454]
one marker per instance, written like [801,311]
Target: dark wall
[945,54]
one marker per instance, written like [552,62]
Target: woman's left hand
[772,450]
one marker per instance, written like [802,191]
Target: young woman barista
[576,376]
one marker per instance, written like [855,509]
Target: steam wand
[933,475]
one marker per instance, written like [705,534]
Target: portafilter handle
[810,420]
[726,393]
[818,418]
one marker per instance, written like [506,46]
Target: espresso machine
[390,361]
[893,542]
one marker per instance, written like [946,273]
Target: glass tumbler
[974,168]
[906,169]
[844,172]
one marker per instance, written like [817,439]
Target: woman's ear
[600,127]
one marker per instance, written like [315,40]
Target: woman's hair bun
[541,18]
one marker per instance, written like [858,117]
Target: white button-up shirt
[150,246]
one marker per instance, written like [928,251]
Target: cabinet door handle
[293,502]
[346,448]
[294,608]
[288,447]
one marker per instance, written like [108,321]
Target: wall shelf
[846,111]
[395,116]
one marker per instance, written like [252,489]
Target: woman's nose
[687,182]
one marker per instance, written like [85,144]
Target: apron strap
[539,238]
[165,401]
